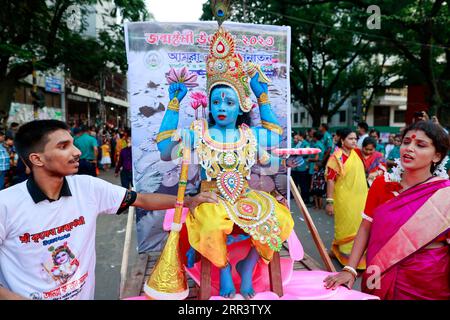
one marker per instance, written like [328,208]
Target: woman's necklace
[403,190]
[346,152]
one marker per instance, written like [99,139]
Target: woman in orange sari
[406,224]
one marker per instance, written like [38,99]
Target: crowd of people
[361,181]
[377,156]
[102,148]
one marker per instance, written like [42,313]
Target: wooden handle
[182,184]
[310,223]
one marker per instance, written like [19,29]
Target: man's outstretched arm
[159,201]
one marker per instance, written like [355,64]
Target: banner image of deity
[154,50]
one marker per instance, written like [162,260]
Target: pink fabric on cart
[168,218]
[297,285]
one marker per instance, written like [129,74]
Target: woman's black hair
[302,133]
[369,140]
[343,133]
[241,119]
[436,133]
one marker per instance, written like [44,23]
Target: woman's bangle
[350,270]
[330,201]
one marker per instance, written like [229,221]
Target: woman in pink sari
[406,224]
[374,162]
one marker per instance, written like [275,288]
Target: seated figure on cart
[227,147]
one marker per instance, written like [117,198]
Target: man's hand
[116,174]
[193,202]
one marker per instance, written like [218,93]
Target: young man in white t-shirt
[363,130]
[48,223]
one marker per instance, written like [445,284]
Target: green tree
[329,62]
[417,33]
[37,30]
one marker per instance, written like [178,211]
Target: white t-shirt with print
[47,250]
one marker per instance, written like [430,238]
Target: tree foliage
[335,54]
[329,62]
[35,34]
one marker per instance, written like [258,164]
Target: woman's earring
[440,170]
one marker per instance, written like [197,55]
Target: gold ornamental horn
[168,279]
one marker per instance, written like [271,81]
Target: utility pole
[34,88]
[38,97]
[102,98]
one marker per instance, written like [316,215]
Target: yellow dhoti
[256,212]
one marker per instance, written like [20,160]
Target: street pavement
[109,246]
[110,239]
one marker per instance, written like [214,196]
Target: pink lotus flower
[182,76]
[201,98]
[195,104]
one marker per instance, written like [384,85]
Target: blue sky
[175,10]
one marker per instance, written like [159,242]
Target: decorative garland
[397,171]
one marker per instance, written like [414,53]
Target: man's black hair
[33,136]
[318,135]
[364,125]
[376,131]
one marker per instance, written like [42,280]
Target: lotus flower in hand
[182,76]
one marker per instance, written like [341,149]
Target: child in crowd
[105,162]
[318,186]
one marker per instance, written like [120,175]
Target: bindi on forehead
[222,94]
[413,136]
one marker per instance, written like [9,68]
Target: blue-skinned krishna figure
[227,148]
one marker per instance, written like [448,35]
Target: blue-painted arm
[166,146]
[269,120]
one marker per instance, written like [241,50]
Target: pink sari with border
[401,229]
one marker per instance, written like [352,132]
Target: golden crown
[225,66]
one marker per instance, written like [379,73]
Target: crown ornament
[224,66]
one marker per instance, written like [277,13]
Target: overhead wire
[350,31]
